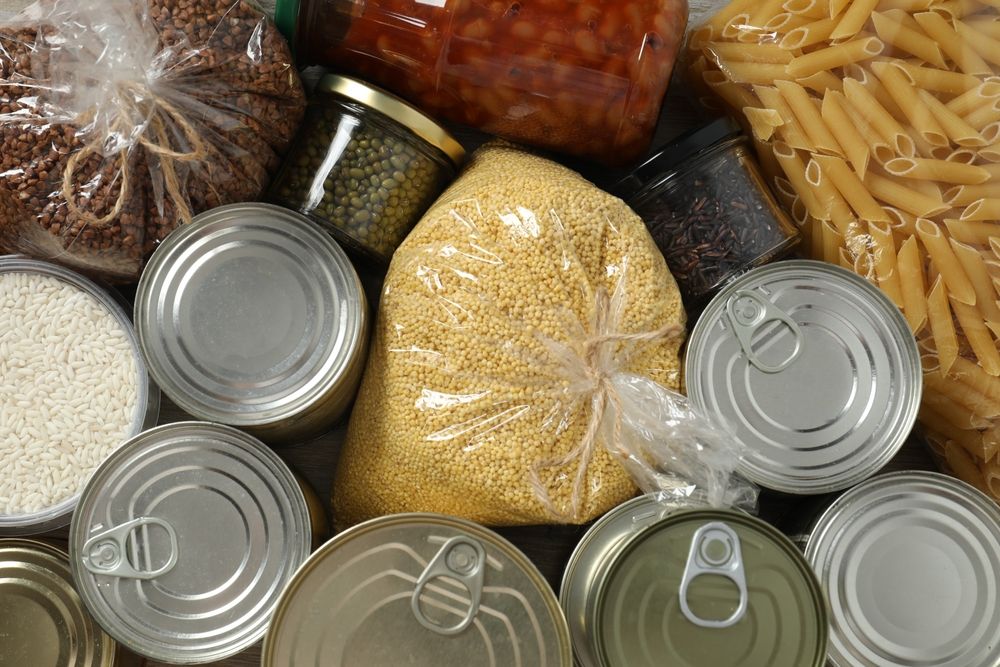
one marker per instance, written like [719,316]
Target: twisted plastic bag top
[120,120]
[878,122]
[525,362]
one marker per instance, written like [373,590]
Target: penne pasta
[817,239]
[975,268]
[979,337]
[991,476]
[912,288]
[984,115]
[875,87]
[956,8]
[905,38]
[808,117]
[725,16]
[813,8]
[973,375]
[828,195]
[851,188]
[954,126]
[974,98]
[857,14]
[901,222]
[964,466]
[984,209]
[902,90]
[832,242]
[991,152]
[791,132]
[942,326]
[942,81]
[809,34]
[834,56]
[838,6]
[959,286]
[753,73]
[949,41]
[753,53]
[733,94]
[762,122]
[987,47]
[972,232]
[963,195]
[962,394]
[989,25]
[822,82]
[952,411]
[884,261]
[763,12]
[972,440]
[937,170]
[908,6]
[836,118]
[902,197]
[795,171]
[866,106]
[786,21]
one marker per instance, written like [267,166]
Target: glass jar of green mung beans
[365,166]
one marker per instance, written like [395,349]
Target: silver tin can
[418,589]
[147,402]
[251,316]
[812,368]
[652,585]
[183,541]
[43,622]
[911,565]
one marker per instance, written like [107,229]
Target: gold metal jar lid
[43,622]
[389,105]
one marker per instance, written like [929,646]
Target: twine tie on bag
[599,365]
[135,100]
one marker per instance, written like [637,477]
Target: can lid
[593,553]
[249,315]
[675,154]
[812,368]
[184,538]
[910,564]
[43,622]
[710,588]
[389,105]
[446,591]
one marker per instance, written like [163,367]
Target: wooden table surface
[548,546]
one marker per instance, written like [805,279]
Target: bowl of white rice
[73,388]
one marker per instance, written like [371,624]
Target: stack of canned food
[130,537]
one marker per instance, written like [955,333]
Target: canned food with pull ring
[650,586]
[812,368]
[418,589]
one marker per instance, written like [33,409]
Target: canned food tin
[253,317]
[691,588]
[418,589]
[184,539]
[66,386]
[43,623]
[911,567]
[812,368]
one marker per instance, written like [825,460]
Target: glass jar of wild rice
[366,166]
[708,209]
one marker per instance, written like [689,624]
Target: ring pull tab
[715,549]
[461,558]
[104,553]
[748,311]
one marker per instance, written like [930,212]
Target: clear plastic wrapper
[525,363]
[878,122]
[120,120]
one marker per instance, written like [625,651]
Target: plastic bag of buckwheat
[121,119]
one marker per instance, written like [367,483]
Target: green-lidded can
[651,585]
[43,622]
[418,589]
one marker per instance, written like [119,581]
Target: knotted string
[137,100]
[599,365]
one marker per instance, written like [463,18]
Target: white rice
[68,390]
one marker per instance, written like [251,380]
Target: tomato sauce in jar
[584,77]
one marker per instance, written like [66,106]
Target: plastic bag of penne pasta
[878,124]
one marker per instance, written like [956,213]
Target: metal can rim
[78,535]
[476,530]
[320,385]
[890,446]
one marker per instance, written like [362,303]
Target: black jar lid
[675,154]
[392,107]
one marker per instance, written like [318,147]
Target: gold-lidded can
[43,622]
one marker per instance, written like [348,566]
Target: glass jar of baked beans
[583,77]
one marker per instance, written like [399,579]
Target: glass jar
[585,77]
[365,166]
[708,209]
